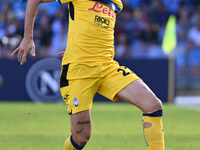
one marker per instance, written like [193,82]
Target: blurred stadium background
[139,33]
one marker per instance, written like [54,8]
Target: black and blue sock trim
[75,145]
[158,113]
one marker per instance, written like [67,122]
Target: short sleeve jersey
[91,30]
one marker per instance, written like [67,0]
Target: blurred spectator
[188,65]
[172,5]
[59,29]
[123,47]
[10,28]
[194,33]
[51,8]
[43,36]
[6,18]
[193,58]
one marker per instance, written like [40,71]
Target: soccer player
[88,67]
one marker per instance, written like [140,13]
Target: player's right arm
[27,43]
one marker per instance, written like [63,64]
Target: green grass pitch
[116,126]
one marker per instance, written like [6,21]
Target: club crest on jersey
[76,102]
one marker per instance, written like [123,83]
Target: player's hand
[61,53]
[23,50]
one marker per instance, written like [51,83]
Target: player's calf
[82,139]
[81,126]
[78,140]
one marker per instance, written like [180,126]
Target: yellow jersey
[91,30]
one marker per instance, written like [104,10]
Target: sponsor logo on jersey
[100,8]
[102,22]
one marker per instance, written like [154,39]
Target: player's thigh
[81,125]
[139,94]
[116,78]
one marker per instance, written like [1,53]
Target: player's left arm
[27,43]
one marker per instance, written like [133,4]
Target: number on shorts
[123,71]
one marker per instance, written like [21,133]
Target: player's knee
[82,139]
[154,105]
[157,105]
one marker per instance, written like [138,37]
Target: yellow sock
[153,130]
[71,145]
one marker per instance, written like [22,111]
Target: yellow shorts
[79,82]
